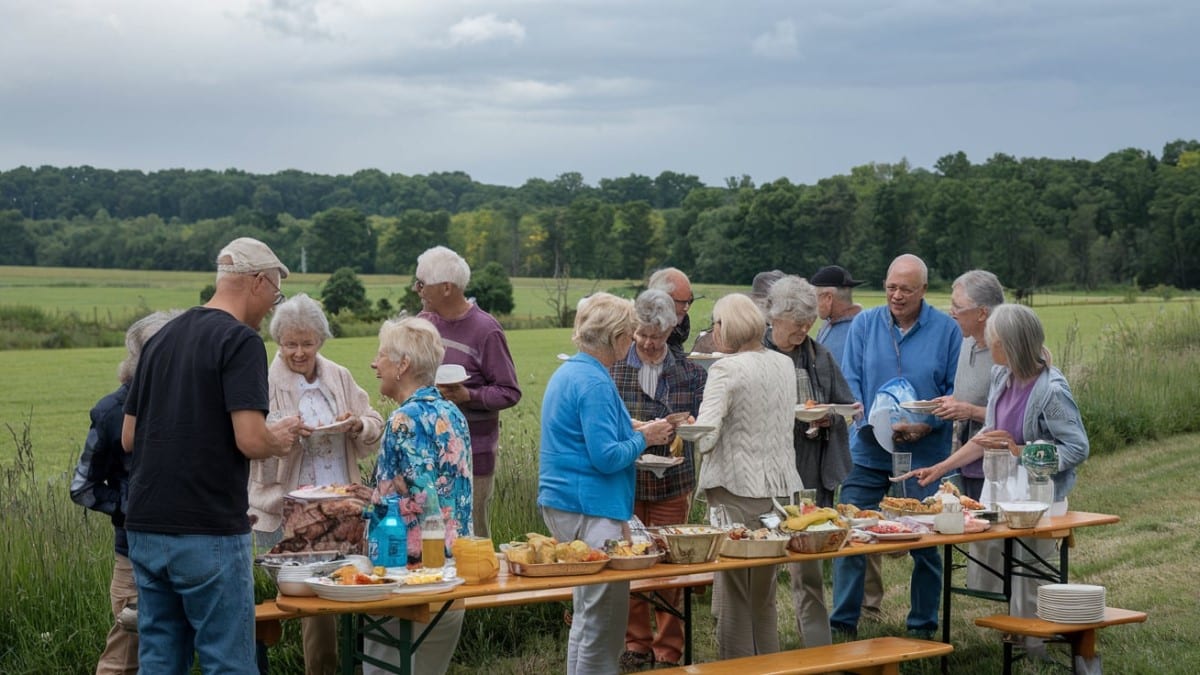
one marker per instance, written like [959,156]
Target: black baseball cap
[834,276]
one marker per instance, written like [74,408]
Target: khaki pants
[120,655]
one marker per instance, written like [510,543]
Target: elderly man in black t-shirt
[194,417]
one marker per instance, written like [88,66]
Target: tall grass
[58,557]
[1144,384]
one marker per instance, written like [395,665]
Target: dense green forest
[1131,218]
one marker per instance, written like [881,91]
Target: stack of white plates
[1071,603]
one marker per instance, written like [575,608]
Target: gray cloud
[535,87]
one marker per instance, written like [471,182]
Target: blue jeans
[195,594]
[864,487]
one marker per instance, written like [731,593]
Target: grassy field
[53,613]
[60,386]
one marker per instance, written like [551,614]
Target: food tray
[688,544]
[818,541]
[555,569]
[754,548]
[633,562]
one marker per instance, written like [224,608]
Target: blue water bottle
[387,542]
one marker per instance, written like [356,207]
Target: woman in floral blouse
[425,444]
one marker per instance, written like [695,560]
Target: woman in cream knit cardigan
[303,382]
[750,399]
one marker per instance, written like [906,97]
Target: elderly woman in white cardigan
[750,399]
[303,382]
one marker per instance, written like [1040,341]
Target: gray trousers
[601,611]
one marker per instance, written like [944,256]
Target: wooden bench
[876,656]
[1081,636]
[267,617]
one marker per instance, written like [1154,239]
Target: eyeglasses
[955,309]
[279,296]
[294,346]
[905,291]
[687,303]
[418,285]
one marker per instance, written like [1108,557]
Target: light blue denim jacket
[1050,415]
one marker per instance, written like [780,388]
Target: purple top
[476,342]
[1010,409]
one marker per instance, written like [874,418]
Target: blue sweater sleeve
[612,445]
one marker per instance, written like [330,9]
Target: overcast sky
[511,90]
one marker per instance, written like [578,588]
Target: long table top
[400,605]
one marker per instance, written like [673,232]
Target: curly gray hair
[655,309]
[300,314]
[792,299]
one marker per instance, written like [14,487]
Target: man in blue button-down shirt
[905,338]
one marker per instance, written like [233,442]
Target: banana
[798,523]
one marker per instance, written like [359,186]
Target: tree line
[1130,218]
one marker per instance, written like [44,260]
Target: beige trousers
[120,655]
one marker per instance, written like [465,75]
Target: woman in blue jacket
[586,472]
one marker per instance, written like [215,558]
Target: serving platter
[329,590]
[634,562]
[555,569]
[435,587]
[895,536]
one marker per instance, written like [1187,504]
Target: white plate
[328,590]
[657,466]
[423,589]
[334,428]
[693,432]
[450,373]
[920,406]
[315,492]
[703,356]
[895,536]
[811,414]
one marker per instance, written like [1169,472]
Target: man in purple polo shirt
[475,341]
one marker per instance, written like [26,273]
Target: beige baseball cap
[246,255]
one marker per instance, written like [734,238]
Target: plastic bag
[886,410]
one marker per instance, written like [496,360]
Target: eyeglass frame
[689,302]
[279,296]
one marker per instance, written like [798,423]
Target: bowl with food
[687,544]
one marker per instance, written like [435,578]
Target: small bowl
[1023,515]
[295,587]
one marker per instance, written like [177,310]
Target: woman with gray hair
[302,382]
[973,296]
[426,447]
[1028,400]
[100,483]
[655,382]
[750,401]
[822,447]
[586,472]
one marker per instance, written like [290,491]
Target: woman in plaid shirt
[653,383]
